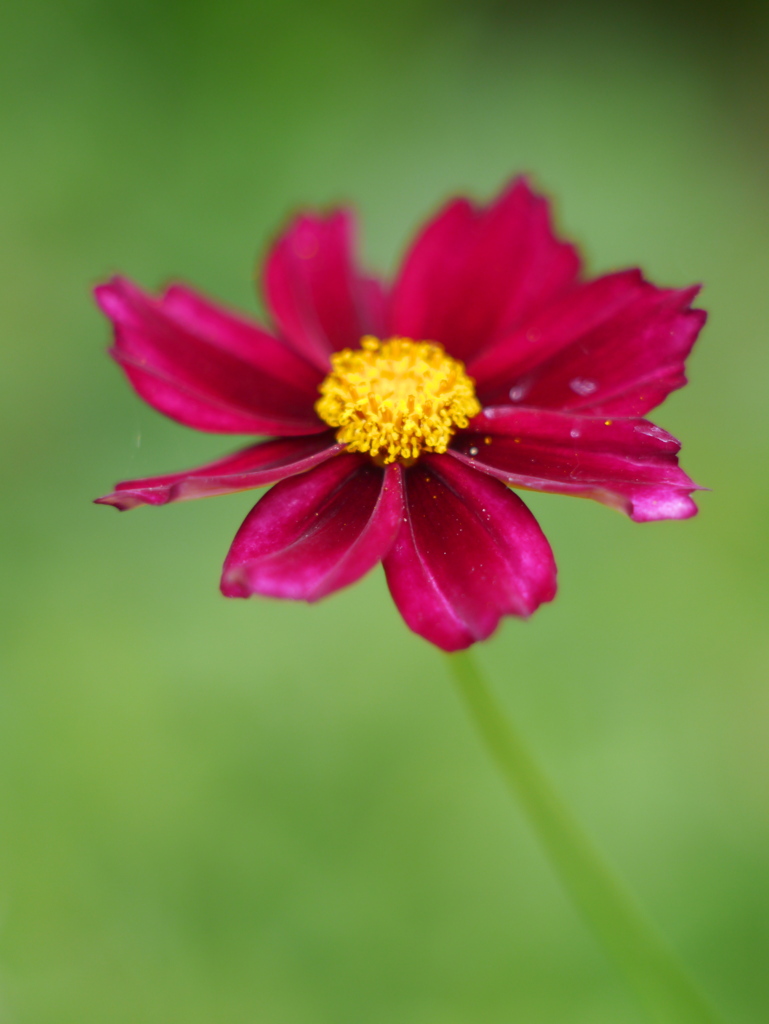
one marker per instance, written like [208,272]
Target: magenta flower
[399,415]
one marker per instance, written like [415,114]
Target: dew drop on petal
[517,391]
[651,431]
[583,386]
[574,432]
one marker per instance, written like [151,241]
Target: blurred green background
[267,813]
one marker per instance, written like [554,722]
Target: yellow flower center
[396,398]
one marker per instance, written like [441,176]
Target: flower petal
[614,346]
[252,467]
[474,274]
[192,372]
[242,337]
[468,552]
[316,533]
[628,464]
[318,298]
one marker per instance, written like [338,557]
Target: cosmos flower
[401,416]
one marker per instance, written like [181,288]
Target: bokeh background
[266,813]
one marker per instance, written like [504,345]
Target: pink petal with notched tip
[316,533]
[256,466]
[477,272]
[468,553]
[628,464]
[202,384]
[614,346]
[320,301]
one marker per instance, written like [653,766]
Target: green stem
[632,942]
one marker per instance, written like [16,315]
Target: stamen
[396,398]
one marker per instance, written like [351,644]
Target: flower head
[399,417]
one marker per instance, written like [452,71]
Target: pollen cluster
[396,398]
